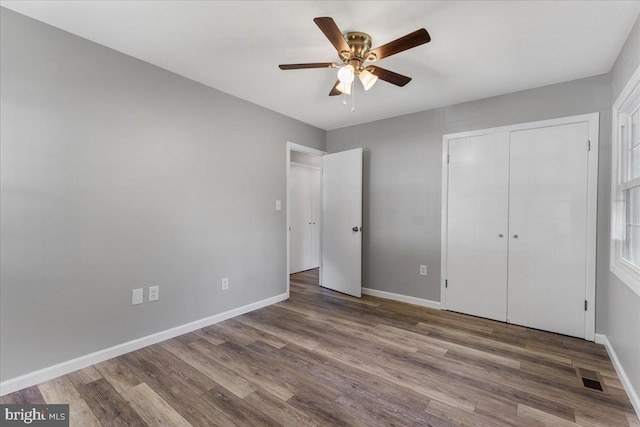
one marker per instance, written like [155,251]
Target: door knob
[515,236]
[355,229]
[500,235]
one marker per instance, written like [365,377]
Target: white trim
[302,165]
[524,126]
[635,182]
[592,223]
[626,274]
[402,298]
[302,149]
[45,374]
[626,382]
[444,221]
[593,120]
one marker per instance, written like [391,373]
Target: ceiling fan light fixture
[346,74]
[354,50]
[368,79]
[344,88]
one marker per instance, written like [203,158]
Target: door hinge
[446,283]
[588,145]
[585,305]
[448,158]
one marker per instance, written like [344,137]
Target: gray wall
[403,183]
[626,62]
[117,175]
[623,308]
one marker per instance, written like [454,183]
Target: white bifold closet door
[305,217]
[548,228]
[517,227]
[478,225]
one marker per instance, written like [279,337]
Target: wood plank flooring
[324,358]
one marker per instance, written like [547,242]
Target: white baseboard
[402,298]
[600,339]
[631,392]
[45,374]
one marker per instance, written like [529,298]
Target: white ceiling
[478,49]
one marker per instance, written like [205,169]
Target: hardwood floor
[323,358]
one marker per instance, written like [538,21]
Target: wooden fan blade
[309,65]
[389,76]
[333,33]
[409,41]
[334,90]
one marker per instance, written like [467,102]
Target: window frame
[628,103]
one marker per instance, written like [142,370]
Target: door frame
[592,203]
[292,146]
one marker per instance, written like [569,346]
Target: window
[625,219]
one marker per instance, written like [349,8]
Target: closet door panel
[300,245]
[548,228]
[316,209]
[477,225]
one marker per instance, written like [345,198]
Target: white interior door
[477,241]
[342,222]
[548,228]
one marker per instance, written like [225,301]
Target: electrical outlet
[423,270]
[154,293]
[137,296]
[225,283]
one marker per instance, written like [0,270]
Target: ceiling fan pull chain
[353,96]
[344,98]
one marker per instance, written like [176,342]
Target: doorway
[338,218]
[305,176]
[304,210]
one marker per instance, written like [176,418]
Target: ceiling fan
[354,50]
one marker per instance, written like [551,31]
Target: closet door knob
[515,236]
[500,235]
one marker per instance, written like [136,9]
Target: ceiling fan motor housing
[360,44]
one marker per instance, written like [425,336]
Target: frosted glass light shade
[367,79]
[344,88]
[346,74]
